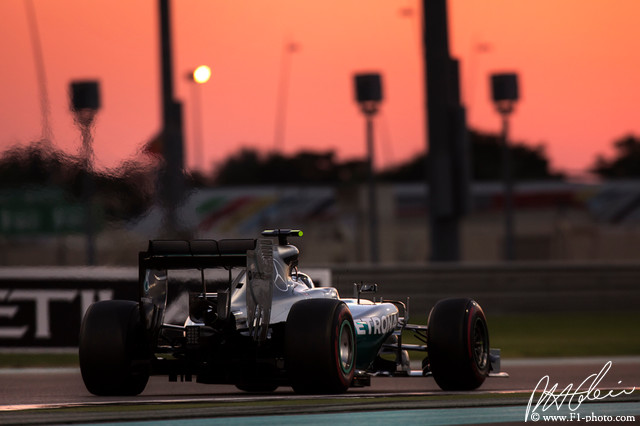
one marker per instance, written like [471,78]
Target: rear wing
[196,254]
[163,255]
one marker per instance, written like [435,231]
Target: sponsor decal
[48,312]
[37,304]
[278,280]
[376,325]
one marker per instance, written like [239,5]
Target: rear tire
[113,355]
[320,346]
[458,344]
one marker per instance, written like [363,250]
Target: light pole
[199,76]
[85,102]
[172,179]
[38,56]
[447,144]
[283,89]
[369,95]
[504,89]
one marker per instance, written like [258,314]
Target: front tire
[320,346]
[113,355]
[458,344]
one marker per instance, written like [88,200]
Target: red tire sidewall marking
[342,317]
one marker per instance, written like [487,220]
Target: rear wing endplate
[260,280]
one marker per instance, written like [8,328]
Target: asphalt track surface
[57,396]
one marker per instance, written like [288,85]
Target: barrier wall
[43,307]
[505,288]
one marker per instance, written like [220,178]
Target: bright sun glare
[202,74]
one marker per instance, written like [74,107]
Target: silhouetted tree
[486,162]
[127,191]
[37,164]
[248,167]
[124,192]
[240,169]
[529,163]
[624,164]
[197,179]
[413,170]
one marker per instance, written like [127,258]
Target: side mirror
[364,288]
[368,288]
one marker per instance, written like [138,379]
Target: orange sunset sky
[577,60]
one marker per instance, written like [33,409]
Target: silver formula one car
[252,319]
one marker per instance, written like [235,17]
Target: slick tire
[320,346]
[112,349]
[458,344]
